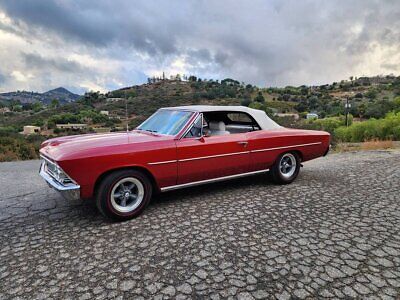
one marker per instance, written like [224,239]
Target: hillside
[141,101]
[369,97]
[24,97]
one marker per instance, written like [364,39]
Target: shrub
[6,131]
[387,128]
[16,148]
[259,98]
[326,124]
[245,102]
[257,105]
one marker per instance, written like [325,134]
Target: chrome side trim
[285,147]
[233,153]
[162,162]
[212,156]
[184,185]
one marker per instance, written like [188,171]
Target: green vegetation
[387,128]
[327,124]
[14,146]
[84,116]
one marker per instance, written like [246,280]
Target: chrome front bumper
[70,192]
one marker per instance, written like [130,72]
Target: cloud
[110,44]
[37,61]
[2,79]
[389,66]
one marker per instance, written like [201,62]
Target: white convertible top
[260,116]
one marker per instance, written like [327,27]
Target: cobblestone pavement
[334,233]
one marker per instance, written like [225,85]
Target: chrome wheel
[287,165]
[127,195]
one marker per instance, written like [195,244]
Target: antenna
[126,115]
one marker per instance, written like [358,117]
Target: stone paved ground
[333,233]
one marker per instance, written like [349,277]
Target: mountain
[61,94]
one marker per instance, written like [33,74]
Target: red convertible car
[176,147]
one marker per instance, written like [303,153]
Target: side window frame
[255,126]
[201,116]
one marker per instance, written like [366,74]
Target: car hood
[72,146]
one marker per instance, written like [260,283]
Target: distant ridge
[61,94]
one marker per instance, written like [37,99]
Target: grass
[366,146]
[375,145]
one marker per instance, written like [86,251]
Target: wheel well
[299,154]
[140,169]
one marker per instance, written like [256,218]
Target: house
[114,99]
[115,116]
[311,116]
[283,115]
[71,126]
[104,112]
[4,110]
[31,130]
[101,129]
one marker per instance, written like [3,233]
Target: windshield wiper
[148,130]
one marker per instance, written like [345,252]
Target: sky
[103,45]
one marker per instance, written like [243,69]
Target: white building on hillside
[31,130]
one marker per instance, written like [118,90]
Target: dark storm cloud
[262,42]
[98,23]
[36,61]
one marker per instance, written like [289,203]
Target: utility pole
[347,106]
[126,115]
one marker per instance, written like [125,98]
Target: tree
[358,95]
[304,90]
[245,102]
[54,103]
[37,106]
[229,81]
[259,98]
[396,104]
[371,94]
[361,110]
[192,78]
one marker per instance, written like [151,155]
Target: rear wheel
[286,168]
[124,194]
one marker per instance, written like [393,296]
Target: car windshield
[166,121]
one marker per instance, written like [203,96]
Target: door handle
[244,143]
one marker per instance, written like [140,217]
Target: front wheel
[286,168]
[123,195]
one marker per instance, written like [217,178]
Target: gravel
[333,233]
